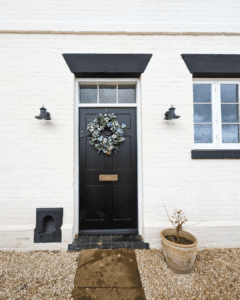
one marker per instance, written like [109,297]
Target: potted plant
[179,246]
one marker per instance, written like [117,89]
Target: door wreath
[113,131]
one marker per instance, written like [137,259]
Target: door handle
[81,133]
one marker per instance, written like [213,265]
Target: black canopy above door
[107,65]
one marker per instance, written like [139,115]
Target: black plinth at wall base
[48,227]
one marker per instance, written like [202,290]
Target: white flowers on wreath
[101,123]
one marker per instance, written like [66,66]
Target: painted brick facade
[124,16]
[37,159]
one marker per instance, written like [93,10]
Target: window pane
[202,93]
[107,94]
[229,93]
[229,113]
[203,133]
[202,113]
[126,94]
[230,133]
[88,94]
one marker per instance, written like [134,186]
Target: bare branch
[168,215]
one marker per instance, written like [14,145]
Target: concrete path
[108,275]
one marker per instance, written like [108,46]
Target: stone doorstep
[82,246]
[107,242]
[108,238]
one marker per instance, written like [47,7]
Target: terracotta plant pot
[179,257]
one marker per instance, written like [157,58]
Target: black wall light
[170,114]
[44,114]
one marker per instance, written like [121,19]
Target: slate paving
[106,274]
[108,241]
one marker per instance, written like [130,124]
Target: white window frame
[77,105]
[216,113]
[116,82]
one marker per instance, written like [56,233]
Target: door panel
[108,204]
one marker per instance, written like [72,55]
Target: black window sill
[215,154]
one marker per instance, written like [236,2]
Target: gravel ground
[50,275]
[216,275]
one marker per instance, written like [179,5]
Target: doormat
[107,275]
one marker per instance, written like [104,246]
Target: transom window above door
[107,93]
[216,114]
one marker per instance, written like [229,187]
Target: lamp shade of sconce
[44,114]
[170,114]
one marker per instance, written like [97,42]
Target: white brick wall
[37,160]
[125,15]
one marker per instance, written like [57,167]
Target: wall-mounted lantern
[170,114]
[44,114]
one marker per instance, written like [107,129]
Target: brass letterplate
[109,177]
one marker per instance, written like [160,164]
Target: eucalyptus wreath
[110,125]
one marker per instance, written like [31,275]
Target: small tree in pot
[179,246]
[180,219]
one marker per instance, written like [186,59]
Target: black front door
[108,206]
